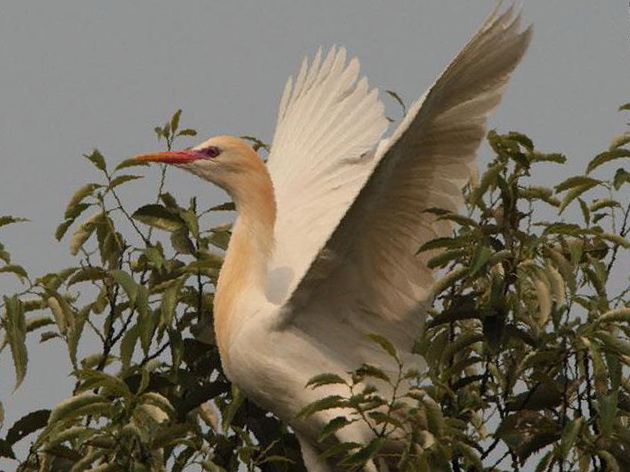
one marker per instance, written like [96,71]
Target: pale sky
[80,74]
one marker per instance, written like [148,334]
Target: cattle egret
[323,248]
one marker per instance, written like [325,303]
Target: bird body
[323,250]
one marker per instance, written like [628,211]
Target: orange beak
[169,157]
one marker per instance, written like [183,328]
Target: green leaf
[325,379]
[326,403]
[384,343]
[59,315]
[574,193]
[83,192]
[87,274]
[131,163]
[332,427]
[553,157]
[77,406]
[187,132]
[526,431]
[121,179]
[522,139]
[619,141]
[7,220]
[128,345]
[605,157]
[577,181]
[160,401]
[619,314]
[459,219]
[227,206]
[95,379]
[181,242]
[169,301]
[62,229]
[481,256]
[624,107]
[15,269]
[15,328]
[159,216]
[230,412]
[97,159]
[126,281]
[604,203]
[6,450]
[146,320]
[365,453]
[621,177]
[611,463]
[191,221]
[26,425]
[616,239]
[607,409]
[175,120]
[84,231]
[368,370]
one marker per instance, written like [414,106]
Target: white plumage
[323,250]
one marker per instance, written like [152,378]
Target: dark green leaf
[326,403]
[368,370]
[62,228]
[526,431]
[332,427]
[553,157]
[26,425]
[384,343]
[94,379]
[14,269]
[83,192]
[121,179]
[7,220]
[573,193]
[6,450]
[87,273]
[15,327]
[126,281]
[577,181]
[131,163]
[606,157]
[187,132]
[325,379]
[159,216]
[97,159]
[621,177]
[365,453]
[619,141]
[175,120]
[181,242]
[481,256]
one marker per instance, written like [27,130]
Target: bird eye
[211,151]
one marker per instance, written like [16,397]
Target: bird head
[226,161]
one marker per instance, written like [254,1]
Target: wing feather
[367,277]
[328,122]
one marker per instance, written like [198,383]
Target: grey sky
[81,74]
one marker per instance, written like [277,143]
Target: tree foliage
[527,345]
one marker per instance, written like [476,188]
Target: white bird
[323,248]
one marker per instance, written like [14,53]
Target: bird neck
[244,269]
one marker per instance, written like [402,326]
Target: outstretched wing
[328,123]
[367,277]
